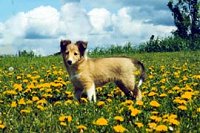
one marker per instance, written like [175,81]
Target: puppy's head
[72,52]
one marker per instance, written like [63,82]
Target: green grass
[174,75]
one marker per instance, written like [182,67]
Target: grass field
[36,96]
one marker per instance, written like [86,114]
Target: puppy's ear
[63,44]
[82,45]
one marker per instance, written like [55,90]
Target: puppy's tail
[142,69]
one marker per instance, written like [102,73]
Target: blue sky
[39,25]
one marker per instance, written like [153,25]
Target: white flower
[11,69]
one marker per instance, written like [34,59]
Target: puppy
[88,73]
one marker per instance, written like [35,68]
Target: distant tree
[186,15]
[25,53]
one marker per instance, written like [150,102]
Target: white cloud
[43,21]
[137,30]
[74,21]
[100,19]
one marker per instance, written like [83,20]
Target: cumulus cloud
[42,22]
[74,21]
[100,19]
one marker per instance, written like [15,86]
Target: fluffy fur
[88,73]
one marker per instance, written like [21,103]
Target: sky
[39,25]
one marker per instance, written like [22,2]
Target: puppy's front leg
[78,94]
[91,93]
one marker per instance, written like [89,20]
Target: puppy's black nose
[69,62]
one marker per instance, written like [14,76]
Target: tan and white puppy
[88,73]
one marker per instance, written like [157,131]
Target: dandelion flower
[154,103]
[100,103]
[63,124]
[10,69]
[35,98]
[119,129]
[40,107]
[63,118]
[152,125]
[156,118]
[182,107]
[21,101]
[161,128]
[81,127]
[198,110]
[139,124]
[2,126]
[119,118]
[25,111]
[17,87]
[135,112]
[101,122]
[163,95]
[187,95]
[140,103]
[13,104]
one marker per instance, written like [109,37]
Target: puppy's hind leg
[124,88]
[91,93]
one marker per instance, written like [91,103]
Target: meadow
[37,96]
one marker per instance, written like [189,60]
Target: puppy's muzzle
[69,62]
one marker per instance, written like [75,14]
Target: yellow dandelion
[13,104]
[63,124]
[198,110]
[40,107]
[156,118]
[161,128]
[152,94]
[101,103]
[174,122]
[17,87]
[25,111]
[10,92]
[68,102]
[35,98]
[2,126]
[176,88]
[81,127]
[128,102]
[182,107]
[139,124]
[69,118]
[109,100]
[84,100]
[62,118]
[163,95]
[42,101]
[152,125]
[119,118]
[21,101]
[101,122]
[154,103]
[25,81]
[187,95]
[140,103]
[119,129]
[135,112]
[179,101]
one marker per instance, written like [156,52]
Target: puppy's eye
[67,52]
[75,53]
